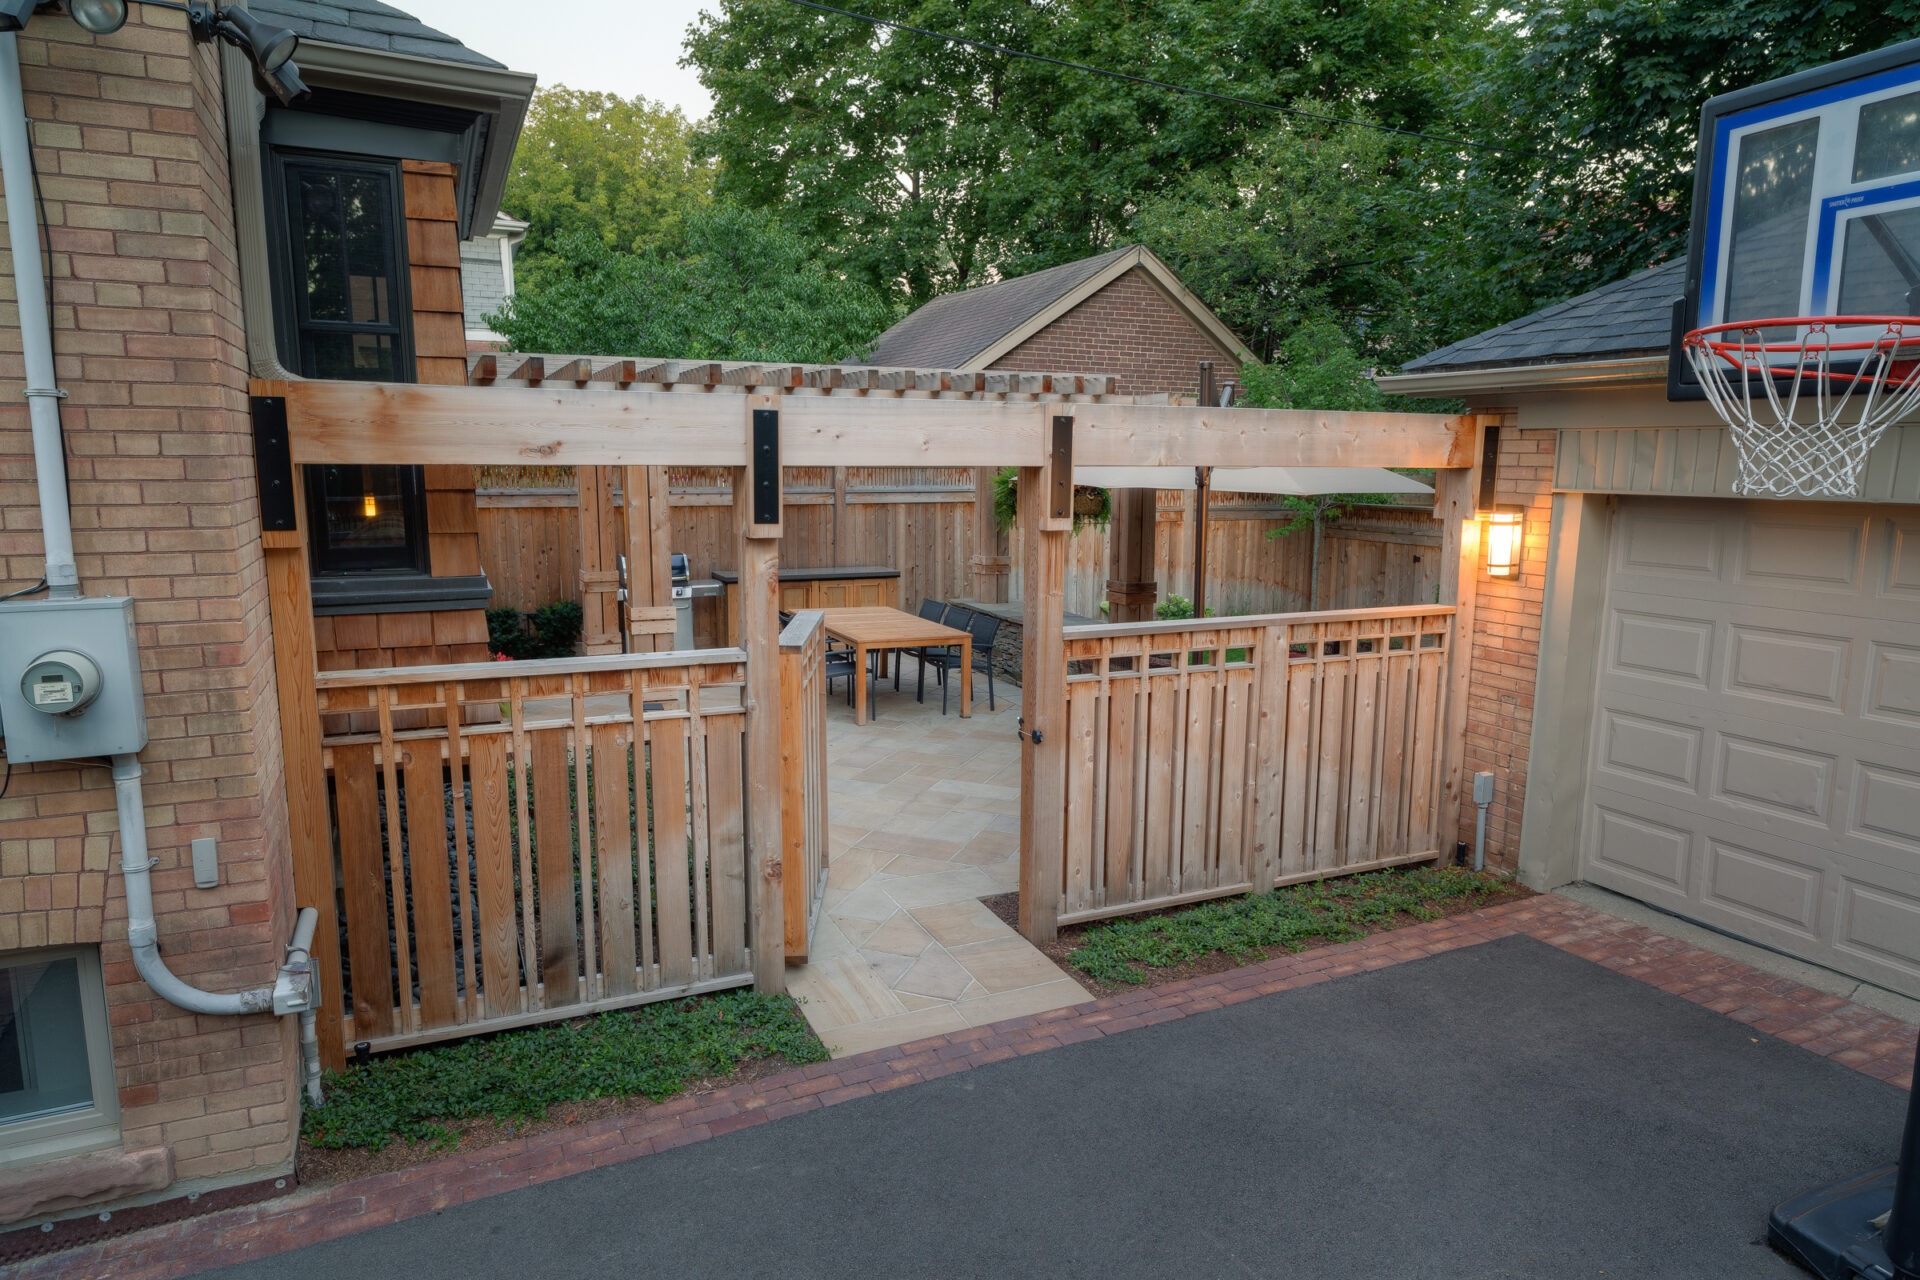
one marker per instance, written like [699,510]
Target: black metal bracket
[1486,499]
[273,463]
[764,473]
[1020,732]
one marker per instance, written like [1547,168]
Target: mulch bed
[1007,907]
[324,1166]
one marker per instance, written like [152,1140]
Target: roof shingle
[1629,317]
[954,327]
[368,24]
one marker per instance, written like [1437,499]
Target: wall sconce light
[1506,530]
[369,507]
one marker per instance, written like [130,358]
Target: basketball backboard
[1807,199]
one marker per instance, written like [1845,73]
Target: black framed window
[346,315]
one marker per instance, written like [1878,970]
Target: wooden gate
[519,842]
[1221,757]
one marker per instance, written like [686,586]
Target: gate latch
[1020,731]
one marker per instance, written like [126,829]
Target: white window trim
[47,1137]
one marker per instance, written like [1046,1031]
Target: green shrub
[1294,916]
[551,631]
[653,1051]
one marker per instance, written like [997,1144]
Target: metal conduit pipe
[36,333]
[142,934]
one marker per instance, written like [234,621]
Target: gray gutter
[499,94]
[1631,370]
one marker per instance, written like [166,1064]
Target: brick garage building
[165,180]
[1123,313]
[1687,695]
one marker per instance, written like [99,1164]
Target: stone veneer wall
[130,143]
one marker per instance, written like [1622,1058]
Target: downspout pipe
[36,332]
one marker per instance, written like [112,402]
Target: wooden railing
[803,775]
[518,842]
[1218,757]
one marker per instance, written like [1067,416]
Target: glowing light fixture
[369,507]
[1506,530]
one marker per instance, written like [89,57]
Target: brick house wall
[1506,646]
[131,148]
[1131,330]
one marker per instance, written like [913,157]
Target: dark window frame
[294,324]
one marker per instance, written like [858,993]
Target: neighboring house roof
[1630,317]
[368,24]
[972,328]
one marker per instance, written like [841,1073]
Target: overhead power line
[989,47]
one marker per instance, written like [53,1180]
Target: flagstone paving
[925,814]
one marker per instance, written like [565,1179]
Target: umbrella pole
[1202,494]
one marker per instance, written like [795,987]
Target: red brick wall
[1506,647]
[131,150]
[1130,330]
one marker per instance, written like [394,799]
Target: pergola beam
[366,423]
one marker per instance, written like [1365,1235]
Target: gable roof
[368,24]
[971,328]
[1630,317]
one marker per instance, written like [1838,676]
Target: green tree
[930,165]
[1608,93]
[732,284]
[622,170]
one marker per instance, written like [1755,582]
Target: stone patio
[925,814]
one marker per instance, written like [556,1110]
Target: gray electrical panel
[70,679]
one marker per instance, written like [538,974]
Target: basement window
[57,1092]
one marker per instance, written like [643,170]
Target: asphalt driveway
[1505,1110]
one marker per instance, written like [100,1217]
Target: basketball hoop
[1848,390]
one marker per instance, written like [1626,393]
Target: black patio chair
[983,627]
[955,616]
[843,664]
[932,611]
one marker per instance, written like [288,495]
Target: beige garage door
[1756,761]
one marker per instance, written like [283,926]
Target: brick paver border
[1867,1041]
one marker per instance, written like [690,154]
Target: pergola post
[760,637]
[1046,522]
[1131,589]
[991,562]
[1455,506]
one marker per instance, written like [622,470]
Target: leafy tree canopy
[731,284]
[1608,93]
[624,171]
[931,165]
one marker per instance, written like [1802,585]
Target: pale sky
[626,47]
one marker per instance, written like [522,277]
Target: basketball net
[1805,412]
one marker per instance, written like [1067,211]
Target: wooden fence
[528,841]
[803,776]
[1211,759]
[920,520]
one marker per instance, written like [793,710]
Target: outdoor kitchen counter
[845,587]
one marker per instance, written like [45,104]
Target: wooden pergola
[603,413]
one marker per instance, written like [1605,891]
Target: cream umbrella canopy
[1291,481]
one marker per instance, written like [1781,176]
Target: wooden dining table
[877,629]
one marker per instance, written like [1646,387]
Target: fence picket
[1208,758]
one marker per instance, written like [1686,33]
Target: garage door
[1756,761]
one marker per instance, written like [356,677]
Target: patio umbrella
[1293,481]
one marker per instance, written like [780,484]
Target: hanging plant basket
[1091,506]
